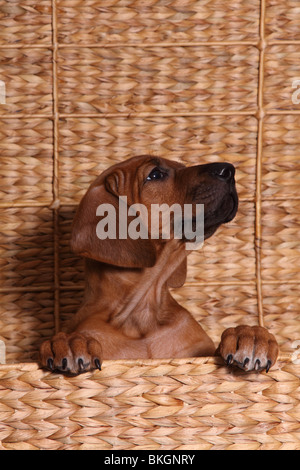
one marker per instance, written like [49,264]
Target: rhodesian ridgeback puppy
[128,311]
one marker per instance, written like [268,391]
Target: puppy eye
[156,174]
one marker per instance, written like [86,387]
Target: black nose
[222,171]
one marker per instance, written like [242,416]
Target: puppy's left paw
[250,348]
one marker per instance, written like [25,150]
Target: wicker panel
[229,255]
[158,79]
[179,404]
[281,234]
[282,20]
[26,247]
[88,146]
[71,267]
[282,69]
[70,301]
[26,147]
[112,21]
[26,319]
[89,84]
[25,22]
[281,162]
[282,314]
[27,74]
[217,307]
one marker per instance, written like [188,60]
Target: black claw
[50,363]
[269,363]
[64,363]
[246,361]
[97,364]
[80,365]
[229,359]
[257,364]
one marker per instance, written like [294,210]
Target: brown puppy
[128,311]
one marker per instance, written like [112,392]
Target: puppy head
[157,181]
[142,182]
[212,185]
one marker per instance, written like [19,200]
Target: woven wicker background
[93,82]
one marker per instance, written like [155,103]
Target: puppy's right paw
[71,354]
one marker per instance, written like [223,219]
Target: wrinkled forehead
[128,177]
[136,168]
[143,161]
[159,162]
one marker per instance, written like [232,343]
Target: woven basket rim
[197,361]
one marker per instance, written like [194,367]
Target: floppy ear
[178,277]
[127,253]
